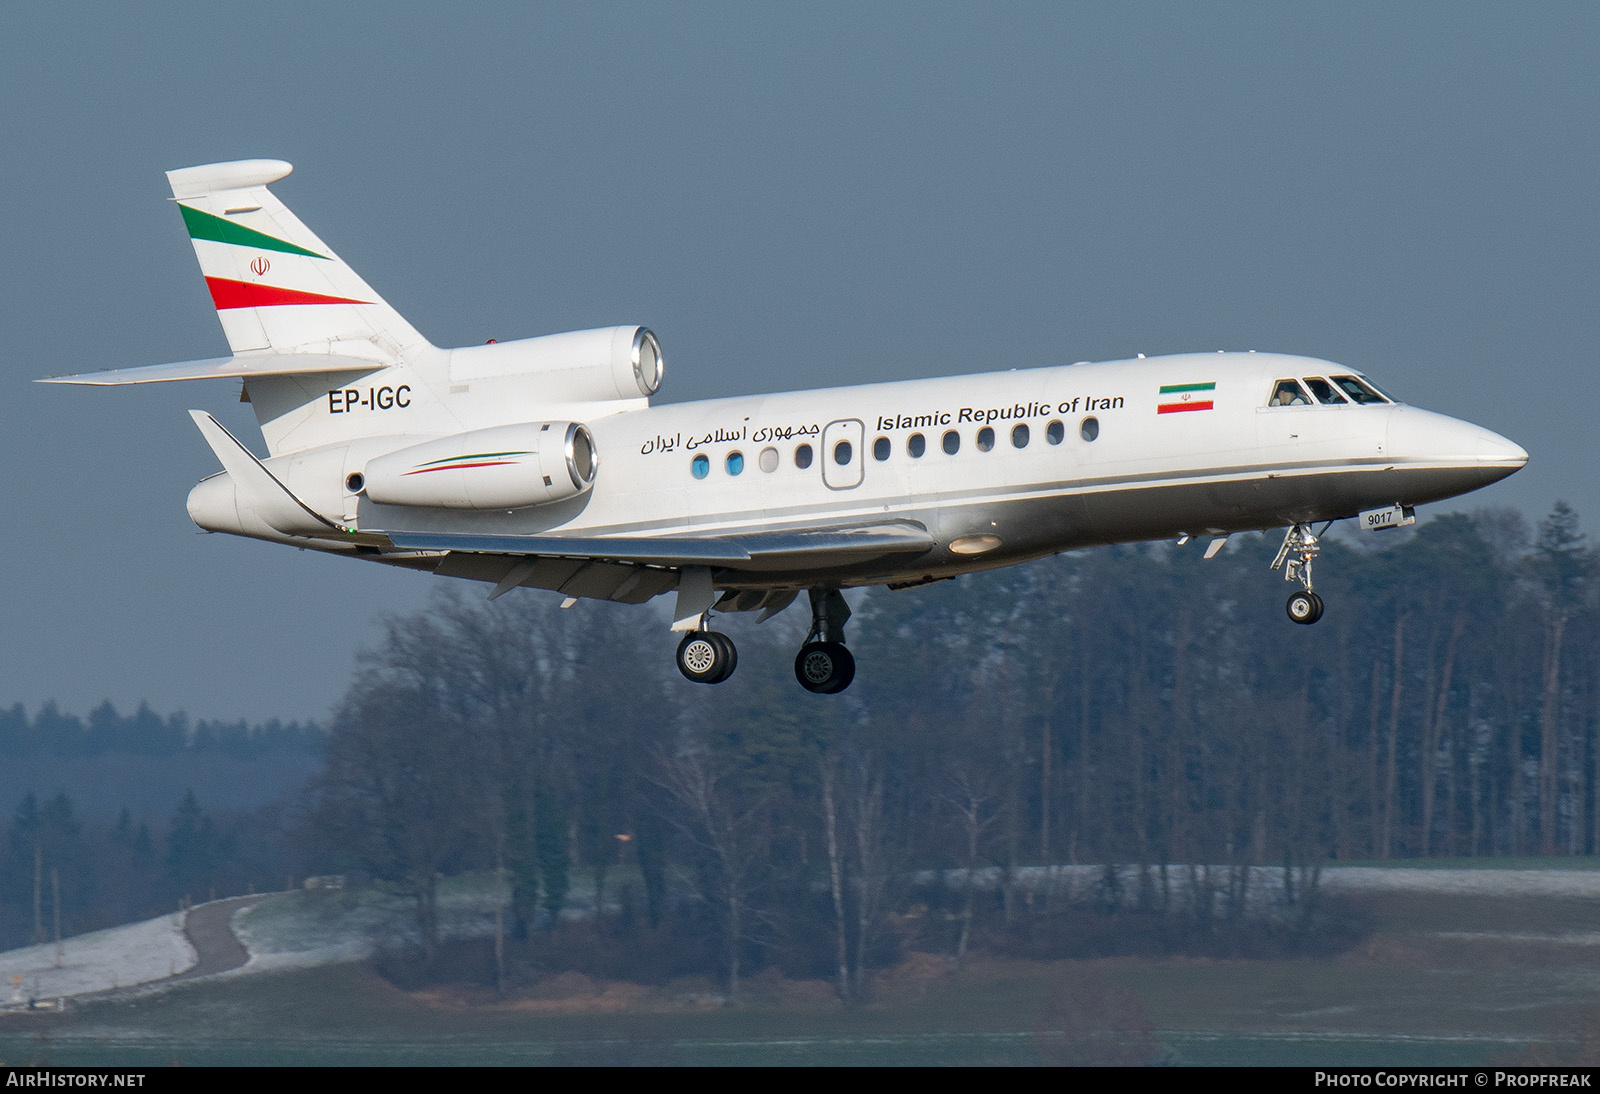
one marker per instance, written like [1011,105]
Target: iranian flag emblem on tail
[1177,398]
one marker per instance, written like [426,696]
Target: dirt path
[215,945]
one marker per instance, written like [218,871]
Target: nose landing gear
[1305,607]
[824,665]
[1300,548]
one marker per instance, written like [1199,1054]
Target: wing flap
[243,365]
[809,548]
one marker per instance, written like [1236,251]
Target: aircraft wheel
[706,657]
[1305,607]
[730,655]
[824,667]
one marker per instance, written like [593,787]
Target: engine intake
[507,467]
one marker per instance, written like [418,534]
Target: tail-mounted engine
[577,366]
[506,467]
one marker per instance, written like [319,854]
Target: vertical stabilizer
[276,286]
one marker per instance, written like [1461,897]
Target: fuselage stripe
[460,466]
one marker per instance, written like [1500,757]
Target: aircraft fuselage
[1034,484]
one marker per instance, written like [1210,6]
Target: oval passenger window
[842,453]
[802,457]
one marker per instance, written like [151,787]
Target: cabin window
[952,442]
[1289,393]
[700,467]
[1089,428]
[1055,432]
[916,445]
[985,439]
[1019,435]
[768,460]
[735,462]
[802,457]
[1324,391]
[842,452]
[880,449]
[1359,390]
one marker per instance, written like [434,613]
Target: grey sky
[791,196]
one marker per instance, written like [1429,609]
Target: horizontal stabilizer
[244,366]
[822,548]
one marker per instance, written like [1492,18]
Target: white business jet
[541,462]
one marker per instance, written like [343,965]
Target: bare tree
[720,826]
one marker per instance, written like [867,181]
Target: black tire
[730,654]
[705,657]
[824,667]
[1304,608]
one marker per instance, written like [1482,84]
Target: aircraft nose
[1493,448]
[1455,456]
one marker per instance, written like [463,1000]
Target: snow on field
[300,929]
[1559,883]
[1265,886]
[294,930]
[116,958]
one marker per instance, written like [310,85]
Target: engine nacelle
[507,467]
[576,367]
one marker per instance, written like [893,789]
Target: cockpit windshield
[1361,391]
[1324,391]
[1329,391]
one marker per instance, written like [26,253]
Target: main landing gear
[1300,547]
[707,657]
[824,665]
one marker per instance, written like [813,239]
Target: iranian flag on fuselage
[1179,398]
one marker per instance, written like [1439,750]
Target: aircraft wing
[798,548]
[244,366]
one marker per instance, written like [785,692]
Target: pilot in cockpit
[1288,393]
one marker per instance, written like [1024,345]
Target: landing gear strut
[824,665]
[1300,547]
[707,657]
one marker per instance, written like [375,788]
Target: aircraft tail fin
[276,286]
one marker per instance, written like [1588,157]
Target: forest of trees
[1136,706]
[109,810]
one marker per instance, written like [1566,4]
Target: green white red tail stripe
[1189,397]
[229,293]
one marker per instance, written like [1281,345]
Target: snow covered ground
[320,927]
[120,957]
[300,929]
[1265,887]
